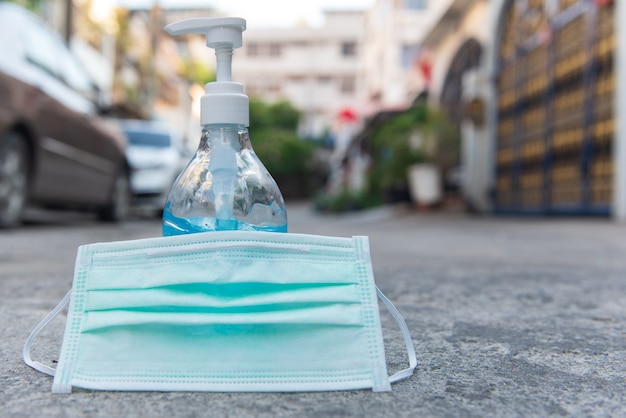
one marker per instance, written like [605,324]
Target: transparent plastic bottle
[224,187]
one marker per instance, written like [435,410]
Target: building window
[410,55]
[273,87]
[348,49]
[415,4]
[347,85]
[275,50]
[296,79]
[253,49]
[252,89]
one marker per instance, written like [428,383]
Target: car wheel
[118,207]
[14,169]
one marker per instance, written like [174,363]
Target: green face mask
[224,311]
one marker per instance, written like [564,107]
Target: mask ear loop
[44,323]
[406,373]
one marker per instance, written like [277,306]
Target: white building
[393,54]
[365,60]
[318,70]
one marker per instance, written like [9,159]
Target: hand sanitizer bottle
[224,186]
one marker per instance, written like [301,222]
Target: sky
[267,13]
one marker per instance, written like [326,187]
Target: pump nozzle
[218,30]
[224,101]
[222,34]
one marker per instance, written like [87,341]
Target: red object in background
[603,2]
[425,66]
[347,114]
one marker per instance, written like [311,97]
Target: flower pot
[424,184]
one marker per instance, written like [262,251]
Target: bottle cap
[224,101]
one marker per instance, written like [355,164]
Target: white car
[155,156]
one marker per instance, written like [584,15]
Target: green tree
[197,71]
[285,116]
[279,115]
[288,158]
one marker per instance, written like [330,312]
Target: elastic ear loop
[406,373]
[40,326]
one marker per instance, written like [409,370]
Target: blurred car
[156,157]
[55,151]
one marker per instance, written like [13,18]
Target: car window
[75,75]
[148,139]
[45,50]
[42,50]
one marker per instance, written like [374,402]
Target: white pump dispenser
[224,186]
[224,101]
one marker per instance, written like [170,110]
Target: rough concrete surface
[509,317]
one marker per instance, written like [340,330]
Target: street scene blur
[431,104]
[476,142]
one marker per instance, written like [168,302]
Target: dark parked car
[55,150]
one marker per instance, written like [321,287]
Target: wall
[316,69]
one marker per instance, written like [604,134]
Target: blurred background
[500,106]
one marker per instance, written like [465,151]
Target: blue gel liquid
[173,225]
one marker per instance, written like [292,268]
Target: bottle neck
[217,134]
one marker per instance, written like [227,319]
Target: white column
[619,145]
[491,47]
[477,163]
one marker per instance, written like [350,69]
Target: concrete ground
[509,317]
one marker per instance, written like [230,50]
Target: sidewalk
[509,317]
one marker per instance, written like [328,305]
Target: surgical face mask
[224,311]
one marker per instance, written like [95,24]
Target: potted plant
[409,153]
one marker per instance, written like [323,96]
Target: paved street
[509,317]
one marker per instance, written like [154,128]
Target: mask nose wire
[35,332]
